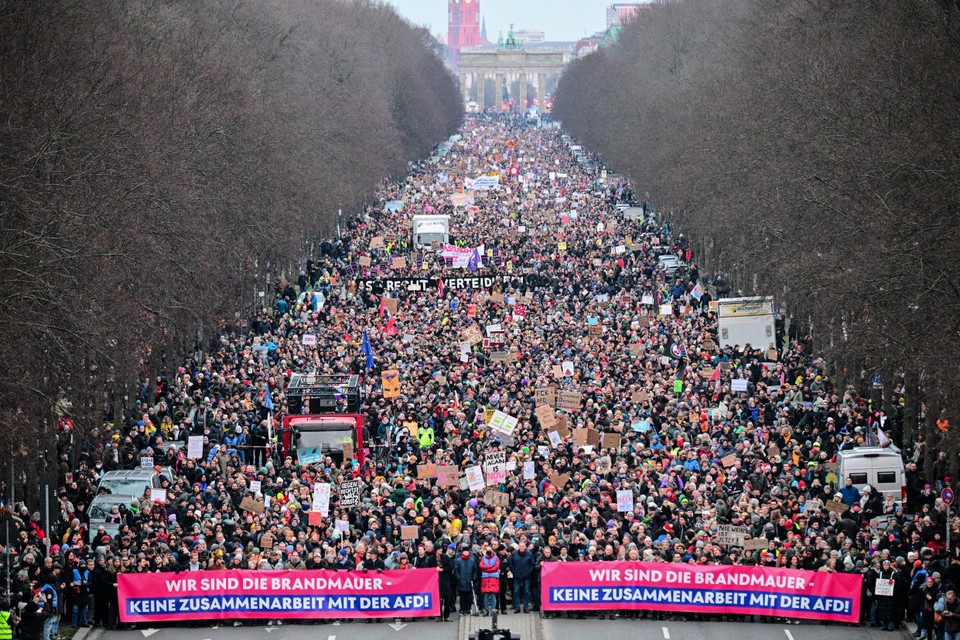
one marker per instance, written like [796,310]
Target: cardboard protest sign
[595,330]
[640,397]
[347,449]
[409,532]
[350,493]
[593,437]
[559,480]
[496,498]
[569,400]
[729,460]
[731,535]
[391,383]
[392,304]
[376,242]
[579,437]
[472,334]
[448,476]
[545,395]
[557,371]
[755,544]
[545,415]
[563,426]
[611,440]
[836,507]
[251,504]
[426,471]
[365,261]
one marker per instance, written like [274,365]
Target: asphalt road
[556,629]
[664,630]
[388,630]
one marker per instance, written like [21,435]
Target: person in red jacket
[489,580]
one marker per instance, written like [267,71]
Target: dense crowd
[557,247]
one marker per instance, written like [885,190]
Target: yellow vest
[6,632]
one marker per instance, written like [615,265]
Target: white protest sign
[158,495]
[503,423]
[475,478]
[529,470]
[495,467]
[884,587]
[555,439]
[739,385]
[195,447]
[309,340]
[146,462]
[625,501]
[255,486]
[321,498]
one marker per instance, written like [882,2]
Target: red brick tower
[463,26]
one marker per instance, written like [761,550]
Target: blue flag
[366,350]
[268,399]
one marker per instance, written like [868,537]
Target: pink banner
[204,595]
[657,586]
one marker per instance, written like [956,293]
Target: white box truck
[881,468]
[744,321]
[428,229]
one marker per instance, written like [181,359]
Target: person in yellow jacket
[425,437]
[6,624]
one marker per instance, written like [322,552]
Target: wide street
[556,629]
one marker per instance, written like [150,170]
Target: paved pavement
[387,630]
[557,629]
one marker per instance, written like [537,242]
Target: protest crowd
[610,365]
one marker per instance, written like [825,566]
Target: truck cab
[324,415]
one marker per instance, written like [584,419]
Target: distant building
[463,27]
[589,44]
[621,12]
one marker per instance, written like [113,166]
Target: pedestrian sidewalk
[526,625]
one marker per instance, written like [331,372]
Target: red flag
[391,328]
[715,375]
[383,305]
[440,288]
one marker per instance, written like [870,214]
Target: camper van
[878,467]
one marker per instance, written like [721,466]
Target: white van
[878,467]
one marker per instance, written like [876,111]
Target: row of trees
[811,148]
[157,156]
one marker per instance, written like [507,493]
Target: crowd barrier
[273,595]
[726,590]
[414,593]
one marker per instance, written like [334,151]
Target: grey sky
[558,19]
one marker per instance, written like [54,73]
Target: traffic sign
[947,496]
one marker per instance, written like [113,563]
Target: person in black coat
[32,617]
[448,589]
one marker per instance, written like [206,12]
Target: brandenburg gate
[513,63]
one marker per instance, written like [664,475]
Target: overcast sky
[558,19]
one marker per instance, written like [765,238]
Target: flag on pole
[366,350]
[476,262]
[440,288]
[268,399]
[884,441]
[697,292]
